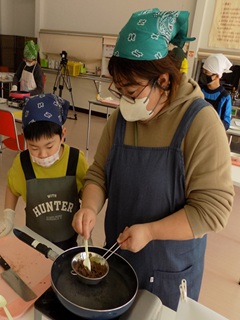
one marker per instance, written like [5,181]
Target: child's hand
[6,223]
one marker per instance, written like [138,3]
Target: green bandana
[147,34]
[30,50]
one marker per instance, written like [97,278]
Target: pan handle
[48,252]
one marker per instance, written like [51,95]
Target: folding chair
[10,137]
[4,69]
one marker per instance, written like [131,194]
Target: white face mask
[30,64]
[137,111]
[47,162]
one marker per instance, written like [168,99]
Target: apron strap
[27,165]
[28,169]
[72,162]
[186,121]
[32,69]
[119,130]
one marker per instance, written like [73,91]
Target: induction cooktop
[50,307]
[146,306]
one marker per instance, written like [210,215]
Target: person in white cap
[213,68]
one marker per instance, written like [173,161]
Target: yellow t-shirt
[16,178]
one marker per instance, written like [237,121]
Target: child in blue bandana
[48,175]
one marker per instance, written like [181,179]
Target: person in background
[213,68]
[29,75]
[181,59]
[164,192]
[48,176]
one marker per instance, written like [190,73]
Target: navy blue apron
[52,202]
[145,184]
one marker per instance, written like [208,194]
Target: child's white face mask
[48,161]
[30,64]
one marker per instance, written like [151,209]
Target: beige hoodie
[207,162]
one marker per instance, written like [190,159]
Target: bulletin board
[225,30]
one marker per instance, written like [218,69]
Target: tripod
[62,79]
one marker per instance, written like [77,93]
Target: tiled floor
[220,290]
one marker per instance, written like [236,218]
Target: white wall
[95,16]
[27,17]
[17,17]
[101,16]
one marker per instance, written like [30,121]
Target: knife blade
[15,282]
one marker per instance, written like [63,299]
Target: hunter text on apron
[51,203]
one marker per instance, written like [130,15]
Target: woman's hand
[84,221]
[135,238]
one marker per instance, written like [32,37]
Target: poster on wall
[225,30]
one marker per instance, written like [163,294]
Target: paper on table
[190,309]
[237,123]
[108,100]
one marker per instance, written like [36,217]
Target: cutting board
[31,266]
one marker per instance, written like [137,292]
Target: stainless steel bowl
[96,260]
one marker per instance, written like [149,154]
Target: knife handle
[32,242]
[4,264]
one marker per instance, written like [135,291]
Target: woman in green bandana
[162,163]
[29,75]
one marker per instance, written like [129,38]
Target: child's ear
[64,131]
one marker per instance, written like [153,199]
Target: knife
[15,282]
[41,247]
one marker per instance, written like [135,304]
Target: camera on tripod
[63,55]
[63,79]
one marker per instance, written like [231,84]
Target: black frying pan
[107,300]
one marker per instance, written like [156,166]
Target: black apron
[145,184]
[51,203]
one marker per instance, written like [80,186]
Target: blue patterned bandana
[147,34]
[44,107]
